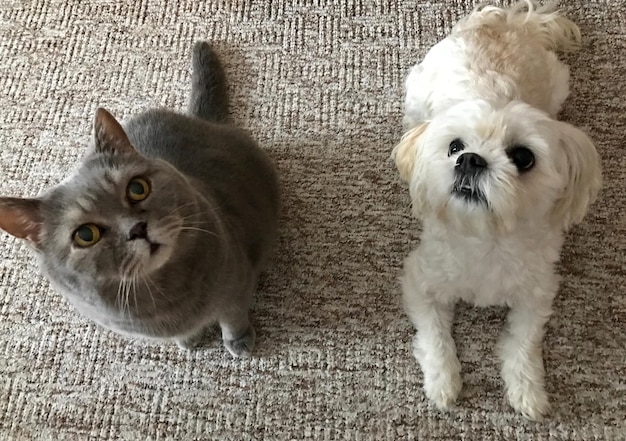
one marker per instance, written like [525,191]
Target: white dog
[496,181]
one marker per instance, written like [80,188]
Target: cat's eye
[87,235]
[522,157]
[455,147]
[137,190]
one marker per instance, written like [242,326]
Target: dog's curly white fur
[496,180]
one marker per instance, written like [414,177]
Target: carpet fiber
[319,83]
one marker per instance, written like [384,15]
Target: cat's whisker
[202,213]
[150,293]
[134,284]
[212,233]
[181,207]
[120,296]
[199,215]
[155,286]
[186,221]
[123,298]
[130,274]
[121,291]
[145,279]
[176,225]
[129,281]
[192,220]
[182,221]
[117,295]
[171,227]
[127,296]
[215,211]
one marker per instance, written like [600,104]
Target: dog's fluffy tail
[544,23]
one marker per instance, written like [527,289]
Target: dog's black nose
[138,231]
[470,163]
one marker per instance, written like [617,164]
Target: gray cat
[166,224]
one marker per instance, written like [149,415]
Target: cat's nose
[138,231]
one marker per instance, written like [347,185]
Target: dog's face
[475,165]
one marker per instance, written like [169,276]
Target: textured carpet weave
[319,83]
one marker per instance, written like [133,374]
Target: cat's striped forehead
[97,186]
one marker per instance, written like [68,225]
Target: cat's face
[119,216]
[115,217]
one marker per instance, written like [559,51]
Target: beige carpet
[319,84]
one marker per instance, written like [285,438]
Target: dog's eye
[522,157]
[455,147]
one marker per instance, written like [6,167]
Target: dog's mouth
[469,192]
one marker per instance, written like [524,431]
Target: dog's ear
[406,151]
[583,175]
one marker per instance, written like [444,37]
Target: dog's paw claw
[531,401]
[443,389]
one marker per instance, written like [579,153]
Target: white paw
[441,368]
[442,387]
[530,399]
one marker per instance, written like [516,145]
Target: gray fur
[210,97]
[212,207]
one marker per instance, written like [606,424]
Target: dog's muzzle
[467,173]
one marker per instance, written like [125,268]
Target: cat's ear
[109,135]
[21,218]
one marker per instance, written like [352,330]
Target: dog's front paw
[441,369]
[242,346]
[443,387]
[530,399]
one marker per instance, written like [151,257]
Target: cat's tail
[209,94]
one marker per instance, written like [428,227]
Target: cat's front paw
[242,346]
[191,341]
